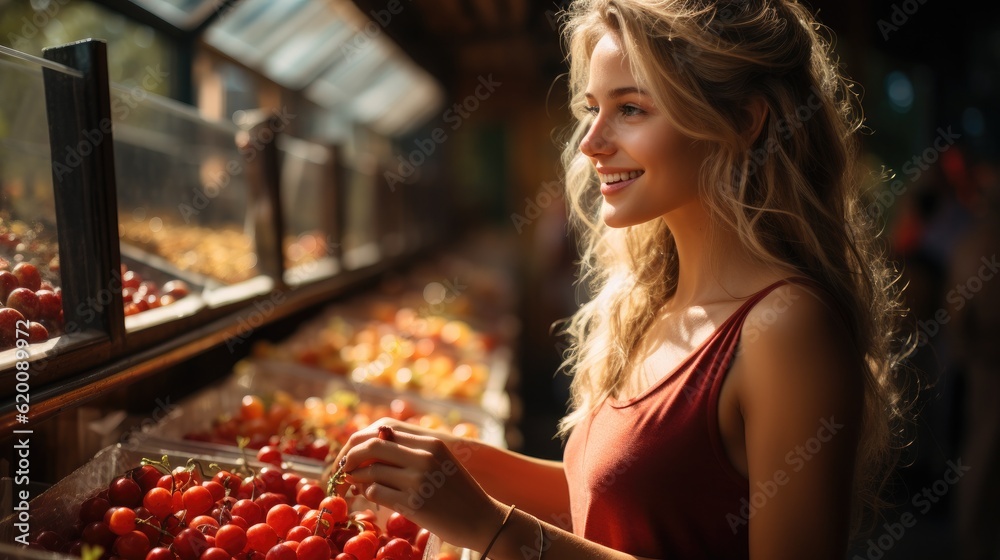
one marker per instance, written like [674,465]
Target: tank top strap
[733,325]
[756,298]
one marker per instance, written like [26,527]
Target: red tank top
[649,476]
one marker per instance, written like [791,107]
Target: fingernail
[385,432]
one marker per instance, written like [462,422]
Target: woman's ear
[756,110]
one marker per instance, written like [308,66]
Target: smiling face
[647,168]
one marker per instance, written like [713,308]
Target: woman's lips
[616,186]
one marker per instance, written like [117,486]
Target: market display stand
[99,349]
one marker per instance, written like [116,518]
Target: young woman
[732,395]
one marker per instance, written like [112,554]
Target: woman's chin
[611,216]
[616,218]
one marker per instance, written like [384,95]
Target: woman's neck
[713,266]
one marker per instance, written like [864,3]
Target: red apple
[49,304]
[8,327]
[25,301]
[8,283]
[37,333]
[28,277]
[9,240]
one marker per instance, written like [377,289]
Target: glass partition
[184,201]
[31,306]
[361,243]
[308,199]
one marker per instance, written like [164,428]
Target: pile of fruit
[404,348]
[153,512]
[27,299]
[33,244]
[142,295]
[224,253]
[305,248]
[314,428]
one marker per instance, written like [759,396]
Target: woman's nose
[599,140]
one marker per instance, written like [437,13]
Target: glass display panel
[254,27]
[31,307]
[184,197]
[308,202]
[361,247]
[137,53]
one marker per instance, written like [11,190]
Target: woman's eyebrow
[619,92]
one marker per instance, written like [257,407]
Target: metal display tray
[262,377]
[50,509]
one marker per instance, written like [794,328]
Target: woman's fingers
[385,474]
[404,452]
[391,498]
[371,432]
[356,452]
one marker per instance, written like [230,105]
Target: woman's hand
[414,472]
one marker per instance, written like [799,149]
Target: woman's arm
[536,486]
[519,540]
[421,478]
[800,389]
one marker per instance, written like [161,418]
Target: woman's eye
[630,110]
[592,109]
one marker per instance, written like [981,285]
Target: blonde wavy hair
[794,194]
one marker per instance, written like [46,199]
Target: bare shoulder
[795,345]
[800,392]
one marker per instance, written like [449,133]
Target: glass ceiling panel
[377,98]
[185,14]
[301,58]
[254,27]
[351,75]
[316,46]
[422,100]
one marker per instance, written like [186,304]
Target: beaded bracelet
[496,536]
